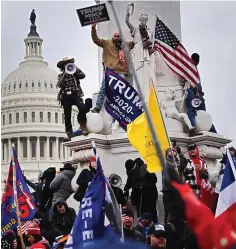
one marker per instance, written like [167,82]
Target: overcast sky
[207,28]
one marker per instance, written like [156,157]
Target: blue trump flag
[25,201]
[90,225]
[122,100]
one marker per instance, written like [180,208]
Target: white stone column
[26,49]
[66,153]
[47,149]
[9,149]
[38,149]
[2,151]
[19,149]
[29,152]
[5,151]
[61,151]
[56,149]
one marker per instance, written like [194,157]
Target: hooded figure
[42,188]
[61,185]
[63,218]
[84,179]
[144,193]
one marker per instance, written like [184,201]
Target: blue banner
[89,224]
[25,201]
[122,100]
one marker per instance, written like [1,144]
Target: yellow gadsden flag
[140,136]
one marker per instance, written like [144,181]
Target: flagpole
[18,213]
[122,229]
[127,56]
[165,129]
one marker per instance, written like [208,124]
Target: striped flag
[26,224]
[227,196]
[174,53]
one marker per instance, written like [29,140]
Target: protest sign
[93,14]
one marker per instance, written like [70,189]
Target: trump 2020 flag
[25,201]
[123,102]
[227,197]
[90,225]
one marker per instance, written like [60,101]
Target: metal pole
[127,56]
[18,213]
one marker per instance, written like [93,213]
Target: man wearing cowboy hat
[71,94]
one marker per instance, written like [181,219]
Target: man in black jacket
[63,218]
[144,193]
[128,227]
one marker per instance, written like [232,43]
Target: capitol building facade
[31,116]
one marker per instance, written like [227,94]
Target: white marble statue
[169,108]
[143,55]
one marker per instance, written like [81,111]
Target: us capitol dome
[32,118]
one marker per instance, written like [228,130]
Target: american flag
[174,53]
[26,224]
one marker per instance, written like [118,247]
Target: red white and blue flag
[174,53]
[227,196]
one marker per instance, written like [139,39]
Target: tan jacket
[110,53]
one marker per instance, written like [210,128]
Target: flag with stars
[174,53]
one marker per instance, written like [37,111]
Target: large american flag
[174,53]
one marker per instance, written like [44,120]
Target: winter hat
[38,246]
[129,165]
[33,229]
[93,159]
[157,229]
[127,212]
[146,216]
[192,147]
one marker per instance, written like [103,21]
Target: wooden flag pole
[18,214]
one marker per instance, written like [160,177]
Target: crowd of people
[54,219]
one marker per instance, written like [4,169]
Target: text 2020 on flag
[174,53]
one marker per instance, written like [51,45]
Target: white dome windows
[26,84]
[33,117]
[3,119]
[63,118]
[41,117]
[39,84]
[56,117]
[32,84]
[25,117]
[17,118]
[10,119]
[49,117]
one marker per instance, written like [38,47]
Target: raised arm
[98,41]
[79,74]
[127,21]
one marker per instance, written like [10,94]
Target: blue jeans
[101,94]
[192,111]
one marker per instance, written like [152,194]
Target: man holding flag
[90,224]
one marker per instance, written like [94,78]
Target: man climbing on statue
[196,92]
[113,58]
[71,94]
